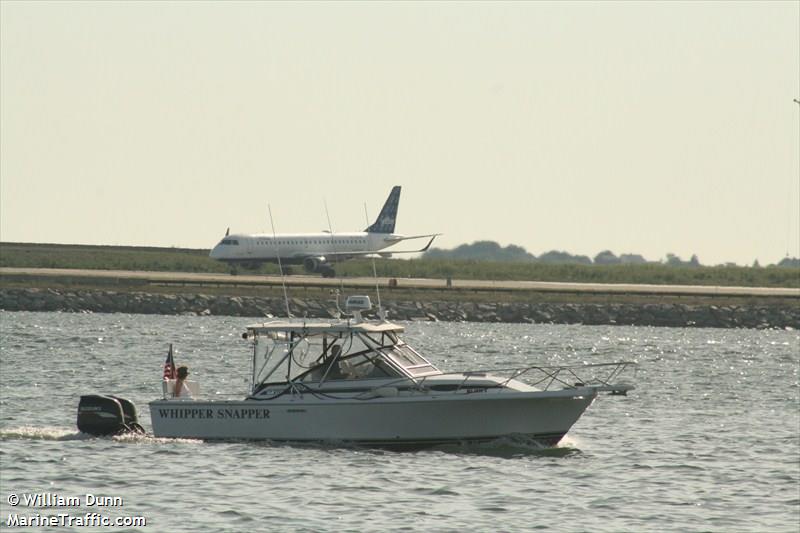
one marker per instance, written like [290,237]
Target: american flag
[169,365]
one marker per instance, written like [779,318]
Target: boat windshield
[359,366]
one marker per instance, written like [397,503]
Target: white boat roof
[310,328]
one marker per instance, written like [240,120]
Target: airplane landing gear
[328,272]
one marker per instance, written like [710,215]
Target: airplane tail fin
[386,219]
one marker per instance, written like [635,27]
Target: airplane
[317,251]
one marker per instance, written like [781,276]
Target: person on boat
[181,389]
[335,351]
[336,370]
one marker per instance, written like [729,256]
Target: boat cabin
[318,353]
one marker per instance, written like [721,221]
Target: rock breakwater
[650,314]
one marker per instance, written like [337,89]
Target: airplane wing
[399,238]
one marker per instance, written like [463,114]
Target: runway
[198,279]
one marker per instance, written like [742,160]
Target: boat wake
[506,447]
[42,433]
[69,434]
[138,438]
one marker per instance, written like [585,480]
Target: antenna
[280,266]
[790,215]
[330,227]
[381,312]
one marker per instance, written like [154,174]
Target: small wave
[437,491]
[512,447]
[232,513]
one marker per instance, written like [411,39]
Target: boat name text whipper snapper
[249,413]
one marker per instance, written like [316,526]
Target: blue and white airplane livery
[317,251]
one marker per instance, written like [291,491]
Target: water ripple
[710,440]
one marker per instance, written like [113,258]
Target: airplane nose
[214,253]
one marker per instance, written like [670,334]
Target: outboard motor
[107,415]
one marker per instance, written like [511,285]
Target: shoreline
[780,314]
[177,293]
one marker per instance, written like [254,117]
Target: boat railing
[600,376]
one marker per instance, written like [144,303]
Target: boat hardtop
[305,328]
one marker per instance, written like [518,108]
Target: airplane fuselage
[300,247]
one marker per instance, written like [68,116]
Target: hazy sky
[636,127]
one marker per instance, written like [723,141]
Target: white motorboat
[357,381]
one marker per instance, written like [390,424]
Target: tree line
[492,251]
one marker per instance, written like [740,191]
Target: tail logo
[388,215]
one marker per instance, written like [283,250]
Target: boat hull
[423,420]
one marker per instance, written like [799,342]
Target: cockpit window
[230,241]
[360,366]
[334,356]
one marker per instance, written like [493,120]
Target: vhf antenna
[330,227]
[280,266]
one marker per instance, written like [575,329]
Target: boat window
[357,360]
[363,366]
[279,359]
[404,356]
[411,361]
[271,360]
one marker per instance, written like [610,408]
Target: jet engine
[320,265]
[313,264]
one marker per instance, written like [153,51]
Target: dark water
[710,441]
